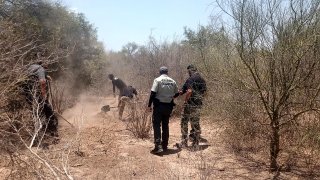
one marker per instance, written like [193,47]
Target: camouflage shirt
[198,86]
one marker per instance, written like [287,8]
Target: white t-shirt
[165,87]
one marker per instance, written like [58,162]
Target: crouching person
[126,97]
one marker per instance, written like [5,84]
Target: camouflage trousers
[191,114]
[122,103]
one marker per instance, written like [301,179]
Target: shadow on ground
[167,152]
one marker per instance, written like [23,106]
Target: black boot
[157,149]
[164,146]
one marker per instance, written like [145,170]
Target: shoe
[191,137]
[157,149]
[182,144]
[165,148]
[195,144]
[195,139]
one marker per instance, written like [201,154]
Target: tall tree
[278,44]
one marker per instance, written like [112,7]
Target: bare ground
[99,146]
[119,155]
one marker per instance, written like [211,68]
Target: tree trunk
[274,144]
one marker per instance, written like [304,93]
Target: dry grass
[60,98]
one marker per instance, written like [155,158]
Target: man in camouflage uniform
[194,87]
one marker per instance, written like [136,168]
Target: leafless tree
[278,42]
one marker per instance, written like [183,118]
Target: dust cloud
[87,111]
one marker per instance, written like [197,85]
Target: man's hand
[181,92]
[188,95]
[49,78]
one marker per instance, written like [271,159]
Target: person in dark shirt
[194,88]
[125,93]
[117,83]
[36,90]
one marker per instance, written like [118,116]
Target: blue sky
[119,22]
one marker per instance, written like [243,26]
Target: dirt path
[105,149]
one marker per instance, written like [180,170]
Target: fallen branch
[64,119]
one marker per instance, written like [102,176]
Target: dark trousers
[51,118]
[34,99]
[161,115]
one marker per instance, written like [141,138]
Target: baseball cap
[163,70]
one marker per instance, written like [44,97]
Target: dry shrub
[301,140]
[140,120]
[23,140]
[57,161]
[22,137]
[60,98]
[238,111]
[178,108]
[140,123]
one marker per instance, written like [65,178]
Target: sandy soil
[99,146]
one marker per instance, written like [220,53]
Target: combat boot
[195,140]
[195,143]
[182,144]
[164,146]
[157,149]
[192,137]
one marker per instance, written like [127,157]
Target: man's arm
[48,78]
[151,98]
[153,94]
[188,95]
[176,95]
[113,89]
[184,89]
[203,88]
[185,86]
[43,87]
